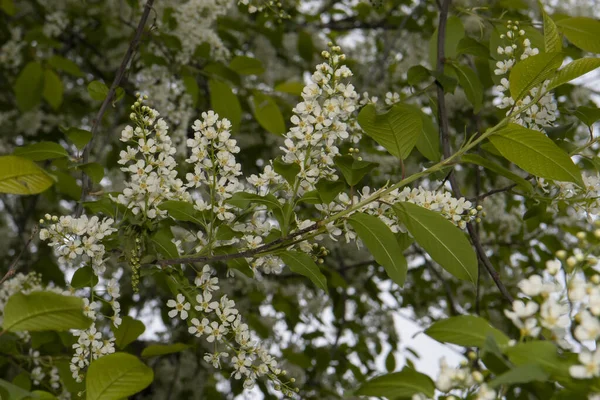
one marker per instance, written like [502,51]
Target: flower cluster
[220,324]
[587,199]
[150,164]
[78,240]
[539,115]
[11,51]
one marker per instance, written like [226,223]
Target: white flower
[179,307]
[590,365]
[531,286]
[198,327]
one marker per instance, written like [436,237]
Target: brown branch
[445,138]
[14,266]
[86,183]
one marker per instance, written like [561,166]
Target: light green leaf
[396,385]
[532,71]
[541,352]
[573,70]
[162,349]
[465,330]
[129,330]
[79,137]
[8,6]
[66,65]
[382,244]
[267,113]
[53,89]
[22,176]
[225,102]
[29,86]
[521,374]
[552,40]
[471,84]
[499,169]
[303,264]
[182,211]
[97,90]
[116,376]
[535,153]
[44,311]
[444,242]
[246,65]
[583,32]
[397,130]
[41,151]
[42,395]
[352,169]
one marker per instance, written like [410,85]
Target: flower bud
[561,254]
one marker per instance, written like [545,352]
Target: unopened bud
[561,254]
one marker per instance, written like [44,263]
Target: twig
[445,138]
[14,266]
[85,180]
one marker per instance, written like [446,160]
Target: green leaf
[44,311]
[583,32]
[288,171]
[328,190]
[155,350]
[397,130]
[191,86]
[465,330]
[267,113]
[306,48]
[116,376]
[444,242]
[41,151]
[246,65]
[471,46]
[13,392]
[65,65]
[573,70]
[353,169]
[225,102]
[382,244]
[541,352]
[403,384]
[532,71]
[53,89]
[243,200]
[97,90]
[22,176]
[8,6]
[29,86]
[163,243]
[41,395]
[535,153]
[428,143]
[471,84]
[499,169]
[417,74]
[129,330]
[79,137]
[94,170]
[587,115]
[552,40]
[294,88]
[303,264]
[182,211]
[521,374]
[454,33]
[84,277]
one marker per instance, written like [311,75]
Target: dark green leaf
[225,102]
[84,277]
[303,264]
[155,350]
[29,86]
[97,90]
[401,384]
[465,330]
[53,89]
[129,330]
[246,65]
[352,169]
[267,113]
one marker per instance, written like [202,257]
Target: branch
[14,266]
[86,183]
[445,138]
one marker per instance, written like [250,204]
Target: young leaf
[44,311]
[465,330]
[382,244]
[41,151]
[552,40]
[353,169]
[444,242]
[499,169]
[532,71]
[521,374]
[573,70]
[129,330]
[29,86]
[583,32]
[225,102]
[267,113]
[22,176]
[471,84]
[397,130]
[97,90]
[536,154]
[155,350]
[403,384]
[246,65]
[303,264]
[53,89]
[116,376]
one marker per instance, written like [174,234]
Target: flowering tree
[191,209]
